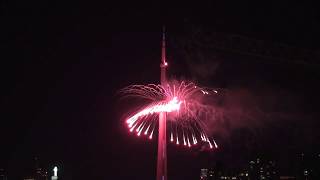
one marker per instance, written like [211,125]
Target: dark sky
[62,63]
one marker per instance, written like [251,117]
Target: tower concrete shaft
[162,139]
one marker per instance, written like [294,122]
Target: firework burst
[184,103]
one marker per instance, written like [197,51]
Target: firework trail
[184,104]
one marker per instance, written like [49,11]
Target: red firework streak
[179,104]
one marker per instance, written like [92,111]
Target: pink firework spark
[183,103]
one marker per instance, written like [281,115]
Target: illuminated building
[261,169]
[2,174]
[55,173]
[37,173]
[308,166]
[210,174]
[203,174]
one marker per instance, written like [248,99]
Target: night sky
[63,63]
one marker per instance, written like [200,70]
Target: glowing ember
[172,105]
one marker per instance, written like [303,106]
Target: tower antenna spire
[163,52]
[164,64]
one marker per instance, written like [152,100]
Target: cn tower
[162,139]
